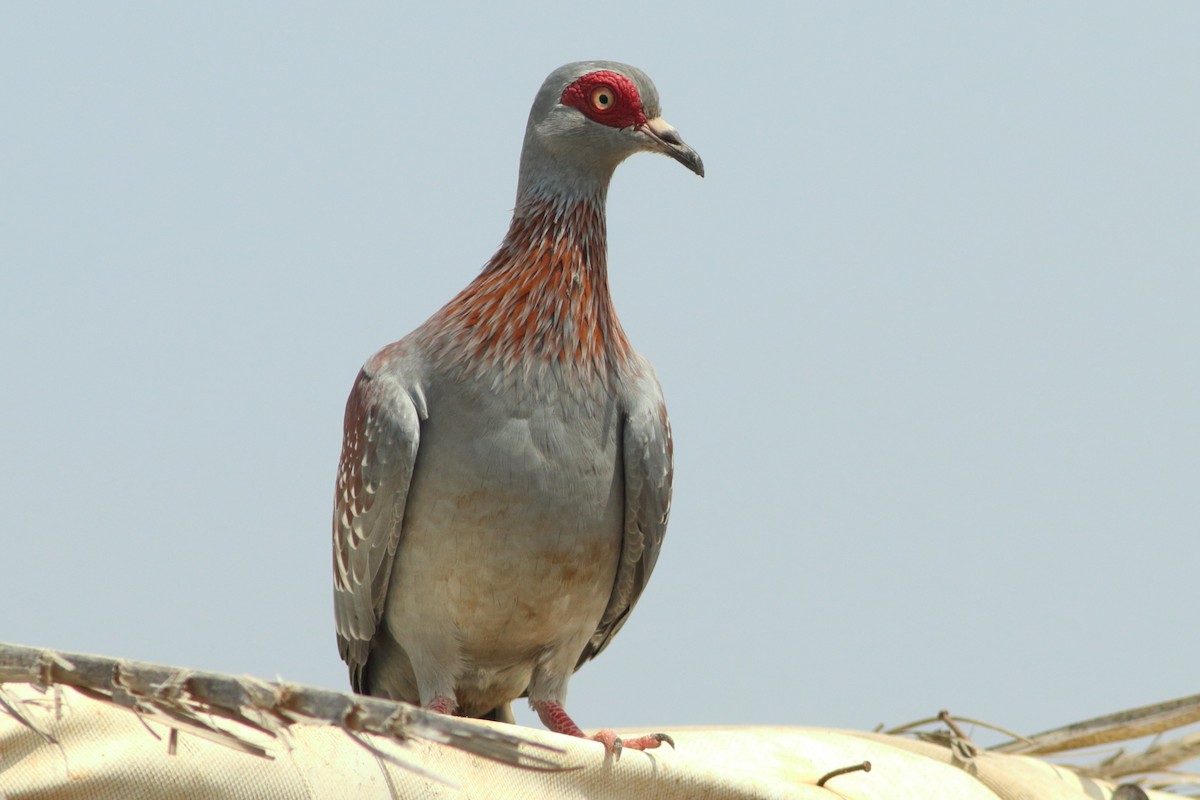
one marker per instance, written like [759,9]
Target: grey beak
[667,140]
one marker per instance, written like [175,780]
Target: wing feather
[648,461]
[382,431]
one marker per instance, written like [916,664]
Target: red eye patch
[606,97]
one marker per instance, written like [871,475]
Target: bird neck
[544,296]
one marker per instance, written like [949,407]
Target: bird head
[589,116]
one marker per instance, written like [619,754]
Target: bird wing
[647,452]
[379,451]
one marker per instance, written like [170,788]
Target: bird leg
[555,717]
[442,705]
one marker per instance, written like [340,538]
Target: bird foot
[555,717]
[616,745]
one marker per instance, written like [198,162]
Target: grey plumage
[506,471]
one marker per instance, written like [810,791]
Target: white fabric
[103,752]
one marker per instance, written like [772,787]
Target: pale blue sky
[928,332]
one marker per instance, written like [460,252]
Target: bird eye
[603,98]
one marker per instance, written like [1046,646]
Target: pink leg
[442,705]
[555,717]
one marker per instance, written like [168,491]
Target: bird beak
[665,139]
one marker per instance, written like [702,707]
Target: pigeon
[505,474]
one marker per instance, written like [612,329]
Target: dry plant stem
[1157,758]
[960,744]
[189,698]
[863,767]
[931,720]
[1122,726]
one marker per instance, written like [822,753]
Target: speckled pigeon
[505,475]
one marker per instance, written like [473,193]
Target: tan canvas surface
[102,751]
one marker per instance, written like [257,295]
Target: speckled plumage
[506,469]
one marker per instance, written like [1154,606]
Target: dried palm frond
[202,703]
[1155,764]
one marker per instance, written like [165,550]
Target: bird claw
[616,745]
[554,717]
